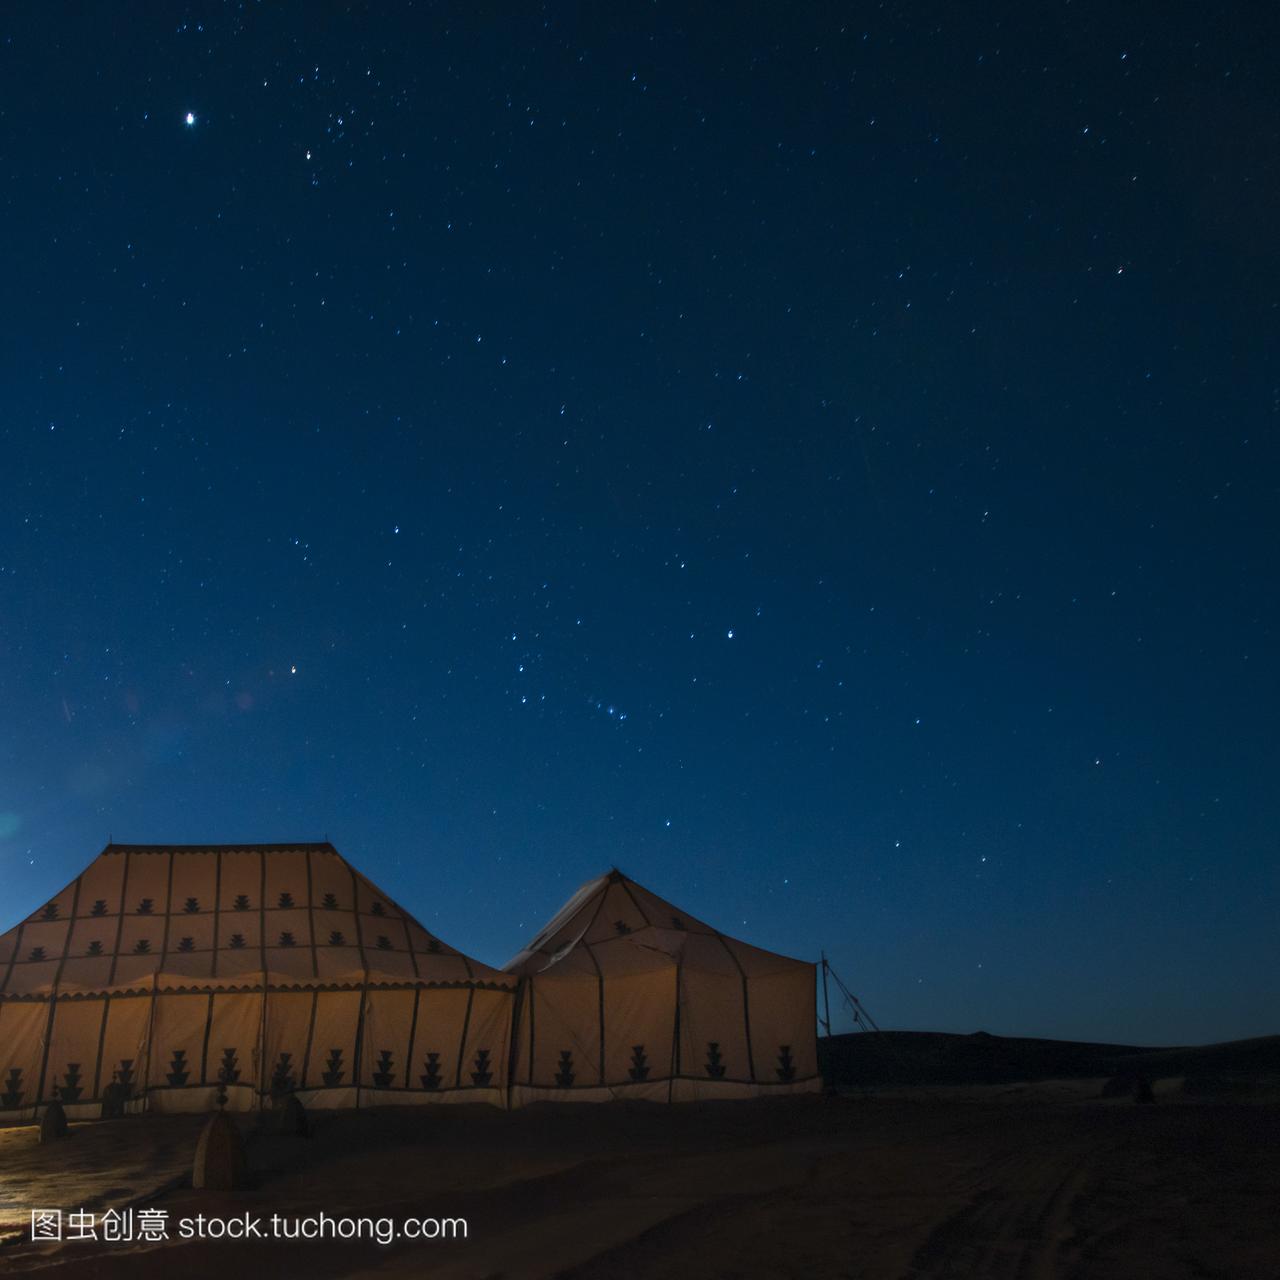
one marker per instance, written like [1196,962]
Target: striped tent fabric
[625,995]
[170,976]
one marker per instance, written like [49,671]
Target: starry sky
[821,459]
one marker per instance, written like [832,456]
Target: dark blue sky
[821,459]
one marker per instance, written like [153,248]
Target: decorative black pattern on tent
[383,1074]
[37,953]
[50,912]
[142,947]
[236,941]
[287,939]
[72,1089]
[622,928]
[639,1063]
[13,1091]
[333,1075]
[786,1068]
[242,902]
[336,939]
[378,909]
[95,948]
[564,1077]
[124,1072]
[286,899]
[186,944]
[228,1068]
[282,1075]
[330,902]
[432,1079]
[179,1068]
[433,946]
[191,906]
[384,943]
[99,907]
[677,923]
[715,1064]
[483,1072]
[146,906]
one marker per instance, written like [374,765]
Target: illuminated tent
[170,971]
[625,996]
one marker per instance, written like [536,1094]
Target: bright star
[190,118]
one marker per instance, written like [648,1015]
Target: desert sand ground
[1039,1181]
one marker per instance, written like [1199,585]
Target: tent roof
[166,917]
[612,918]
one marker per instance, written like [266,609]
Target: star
[190,119]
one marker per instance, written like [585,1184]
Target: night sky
[819,459]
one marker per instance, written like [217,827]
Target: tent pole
[826,999]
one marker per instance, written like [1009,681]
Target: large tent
[172,972]
[624,995]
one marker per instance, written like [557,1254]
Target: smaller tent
[625,996]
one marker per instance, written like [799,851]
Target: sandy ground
[1038,1182]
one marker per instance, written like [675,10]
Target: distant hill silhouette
[867,1058]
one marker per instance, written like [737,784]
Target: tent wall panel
[564,1013]
[240,930]
[287,1034]
[43,938]
[639,1026]
[339,963]
[371,901]
[783,1016]
[378,928]
[176,1042]
[290,922]
[143,935]
[148,884]
[330,875]
[93,935]
[384,1058]
[235,1040]
[443,964]
[137,969]
[29,977]
[90,973]
[190,950]
[124,1042]
[286,879]
[328,923]
[391,964]
[333,1041]
[22,1038]
[437,1059]
[71,1063]
[60,907]
[102,889]
[713,1029]
[486,1047]
[239,962]
[195,880]
[239,884]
